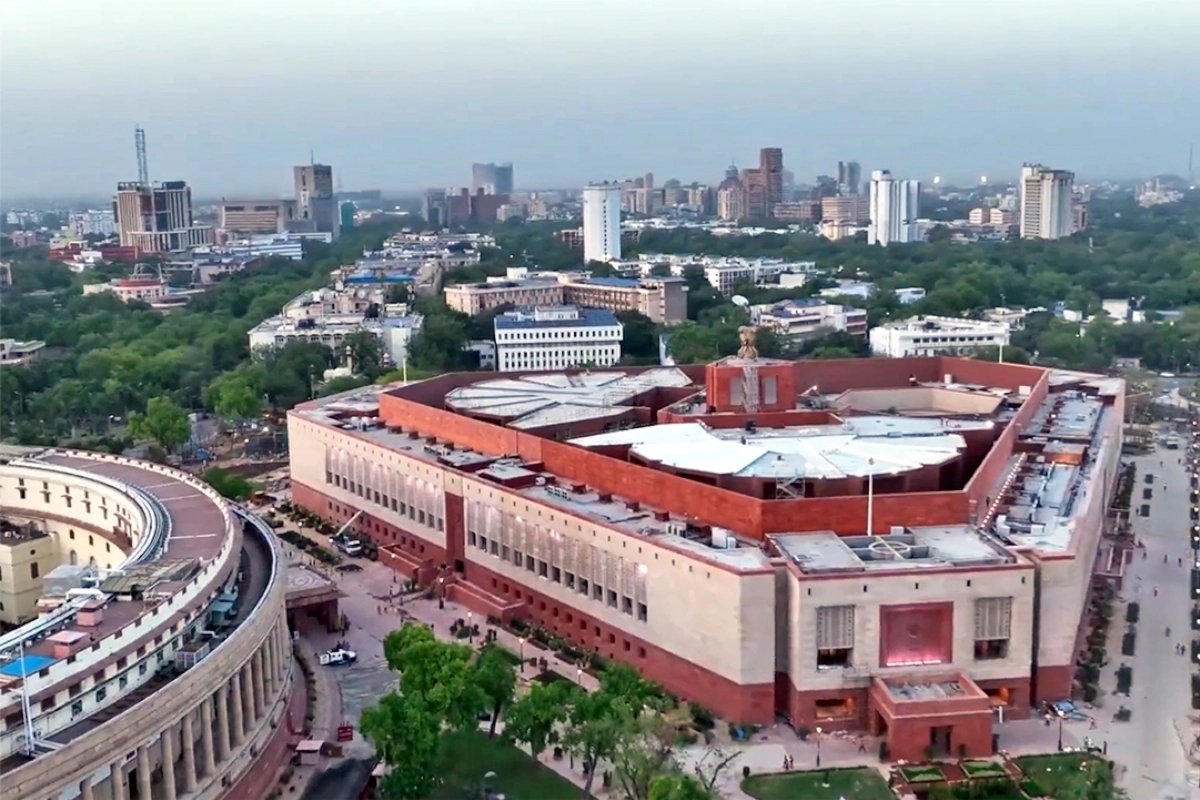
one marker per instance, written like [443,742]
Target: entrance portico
[942,715]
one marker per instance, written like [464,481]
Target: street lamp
[579,675]
[818,748]
[1060,728]
[522,641]
[470,629]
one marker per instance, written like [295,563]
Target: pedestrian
[785,763]
[862,745]
[1156,591]
[1164,558]
[1181,561]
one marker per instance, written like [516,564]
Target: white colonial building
[557,337]
[928,336]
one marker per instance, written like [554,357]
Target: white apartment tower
[602,222]
[894,208]
[1045,202]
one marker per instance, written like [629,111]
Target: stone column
[85,789]
[235,706]
[116,781]
[270,671]
[206,737]
[247,698]
[260,684]
[143,772]
[223,728]
[189,753]
[167,743]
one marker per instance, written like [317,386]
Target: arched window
[74,558]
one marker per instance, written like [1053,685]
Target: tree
[439,346]
[677,787]
[533,718]
[640,339]
[594,728]
[439,673]
[405,735]
[365,354]
[229,485]
[710,766]
[644,749]
[165,422]
[234,397]
[494,675]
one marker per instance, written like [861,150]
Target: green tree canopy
[164,422]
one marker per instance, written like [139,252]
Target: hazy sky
[400,94]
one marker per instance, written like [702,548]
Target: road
[1153,744]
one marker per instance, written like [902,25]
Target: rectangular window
[642,614]
[835,636]
[993,627]
[569,580]
[583,586]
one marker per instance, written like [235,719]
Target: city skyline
[394,119]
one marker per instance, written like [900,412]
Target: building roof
[587,318]
[910,548]
[858,447]
[537,400]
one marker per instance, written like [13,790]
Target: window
[642,612]
[34,570]
[612,599]
[556,575]
[583,586]
[543,569]
[569,580]
[835,637]
[993,627]
[76,709]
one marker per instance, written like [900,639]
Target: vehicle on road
[338,656]
[347,544]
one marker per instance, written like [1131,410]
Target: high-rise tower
[602,222]
[1045,202]
[316,205]
[895,205]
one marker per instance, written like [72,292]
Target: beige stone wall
[960,588]
[701,612]
[23,564]
[377,468]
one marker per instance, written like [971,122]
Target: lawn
[851,784]
[1052,771]
[983,769]
[466,757]
[926,773]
